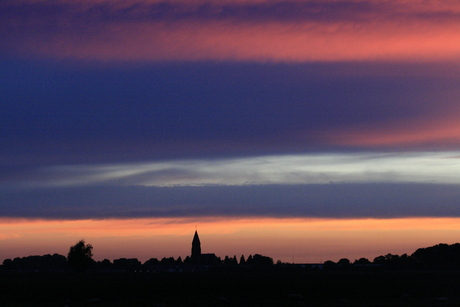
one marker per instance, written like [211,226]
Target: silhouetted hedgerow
[46,263]
[438,257]
[441,256]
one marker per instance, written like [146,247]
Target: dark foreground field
[248,288]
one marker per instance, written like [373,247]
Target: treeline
[437,257]
[60,263]
[46,263]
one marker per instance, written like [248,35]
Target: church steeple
[196,246]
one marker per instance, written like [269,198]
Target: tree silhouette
[127,265]
[329,265]
[344,262]
[44,263]
[168,261]
[440,256]
[230,261]
[80,256]
[259,260]
[362,261]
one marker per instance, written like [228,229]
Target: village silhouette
[429,276]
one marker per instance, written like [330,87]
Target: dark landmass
[437,257]
[428,277]
[223,288]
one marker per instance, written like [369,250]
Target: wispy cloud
[439,128]
[355,185]
[232,30]
[422,167]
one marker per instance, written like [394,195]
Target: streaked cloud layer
[364,185]
[232,30]
[312,200]
[409,167]
[115,109]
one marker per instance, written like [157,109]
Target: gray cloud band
[317,200]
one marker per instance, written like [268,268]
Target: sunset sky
[304,130]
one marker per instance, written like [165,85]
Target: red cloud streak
[297,31]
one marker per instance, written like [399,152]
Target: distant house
[202,259]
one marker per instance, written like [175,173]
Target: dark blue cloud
[326,201]
[60,113]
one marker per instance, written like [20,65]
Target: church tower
[196,247]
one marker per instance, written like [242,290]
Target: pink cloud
[242,31]
[441,133]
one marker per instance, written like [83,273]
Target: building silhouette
[196,247]
[203,259]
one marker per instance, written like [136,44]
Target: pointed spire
[196,239]
[196,246]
